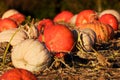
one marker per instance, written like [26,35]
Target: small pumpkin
[14,36]
[109,19]
[31,55]
[85,16]
[111,11]
[17,74]
[14,15]
[6,24]
[86,39]
[63,16]
[59,38]
[103,31]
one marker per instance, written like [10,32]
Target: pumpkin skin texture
[6,24]
[42,25]
[19,18]
[109,19]
[63,16]
[85,16]
[59,38]
[17,74]
[31,55]
[103,32]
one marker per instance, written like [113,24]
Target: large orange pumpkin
[103,31]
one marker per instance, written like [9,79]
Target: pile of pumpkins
[34,44]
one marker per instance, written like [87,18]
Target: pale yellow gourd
[31,55]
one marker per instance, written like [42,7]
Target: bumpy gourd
[31,55]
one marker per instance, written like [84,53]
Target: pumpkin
[85,16]
[58,38]
[14,36]
[103,31]
[31,55]
[8,13]
[17,74]
[14,15]
[63,16]
[44,23]
[109,19]
[86,39]
[41,26]
[6,24]
[111,11]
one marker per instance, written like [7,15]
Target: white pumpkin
[16,36]
[31,55]
[111,11]
[86,39]
[9,13]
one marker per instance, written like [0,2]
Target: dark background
[49,8]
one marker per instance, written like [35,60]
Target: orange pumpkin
[17,74]
[103,31]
